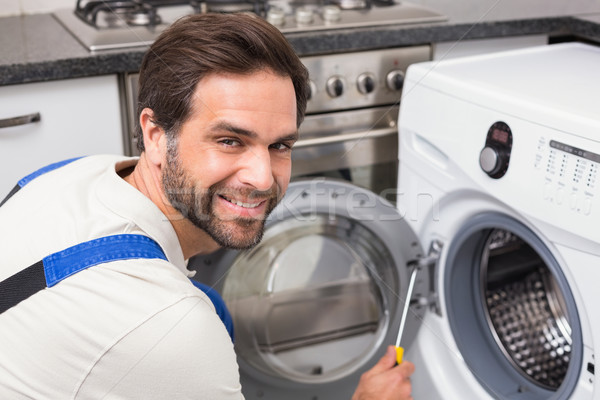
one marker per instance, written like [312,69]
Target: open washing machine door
[507,324]
[318,301]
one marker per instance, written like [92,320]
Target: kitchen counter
[37,48]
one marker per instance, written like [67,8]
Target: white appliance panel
[547,196]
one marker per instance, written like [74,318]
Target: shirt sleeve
[183,352]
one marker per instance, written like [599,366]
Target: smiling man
[95,295]
[228,165]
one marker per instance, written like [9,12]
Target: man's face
[231,162]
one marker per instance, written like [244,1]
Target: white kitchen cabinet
[77,117]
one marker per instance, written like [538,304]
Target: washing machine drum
[320,299]
[511,310]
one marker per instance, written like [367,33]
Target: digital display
[588,155]
[500,135]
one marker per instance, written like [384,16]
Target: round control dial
[490,160]
[335,86]
[395,80]
[366,83]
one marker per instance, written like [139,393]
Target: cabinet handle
[21,120]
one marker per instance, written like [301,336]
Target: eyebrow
[226,126]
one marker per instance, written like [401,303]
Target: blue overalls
[60,265]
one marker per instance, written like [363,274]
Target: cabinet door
[77,117]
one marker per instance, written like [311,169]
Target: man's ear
[154,138]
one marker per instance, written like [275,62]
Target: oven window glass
[306,303]
[381,178]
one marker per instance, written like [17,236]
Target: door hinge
[429,263]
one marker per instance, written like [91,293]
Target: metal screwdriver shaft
[411,285]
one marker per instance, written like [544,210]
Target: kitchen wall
[18,7]
[457,10]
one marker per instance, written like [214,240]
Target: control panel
[362,79]
[495,156]
[571,174]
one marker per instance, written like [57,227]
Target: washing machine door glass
[319,296]
[511,310]
[525,309]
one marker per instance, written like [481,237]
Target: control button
[335,86]
[304,15]
[366,83]
[276,16]
[587,205]
[489,160]
[573,201]
[332,13]
[395,80]
[547,191]
[560,195]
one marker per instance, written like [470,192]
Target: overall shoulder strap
[220,306]
[60,265]
[57,266]
[35,174]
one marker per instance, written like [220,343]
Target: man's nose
[257,170]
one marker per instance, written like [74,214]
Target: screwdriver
[411,286]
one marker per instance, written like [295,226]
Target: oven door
[359,146]
[318,301]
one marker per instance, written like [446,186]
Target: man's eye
[280,146]
[230,142]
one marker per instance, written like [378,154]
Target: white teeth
[245,205]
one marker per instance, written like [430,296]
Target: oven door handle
[345,137]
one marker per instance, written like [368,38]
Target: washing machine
[493,214]
[499,168]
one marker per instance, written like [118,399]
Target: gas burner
[145,17]
[232,6]
[352,4]
[115,13]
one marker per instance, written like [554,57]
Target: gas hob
[104,25]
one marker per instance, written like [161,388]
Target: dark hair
[201,44]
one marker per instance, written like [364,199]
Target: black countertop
[37,48]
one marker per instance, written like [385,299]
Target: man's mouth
[241,203]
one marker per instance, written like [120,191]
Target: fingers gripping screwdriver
[411,286]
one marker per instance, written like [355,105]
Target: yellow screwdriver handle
[399,354]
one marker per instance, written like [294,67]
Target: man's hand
[386,380]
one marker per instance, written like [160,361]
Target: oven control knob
[276,16]
[366,83]
[335,86]
[304,15]
[332,13]
[395,80]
